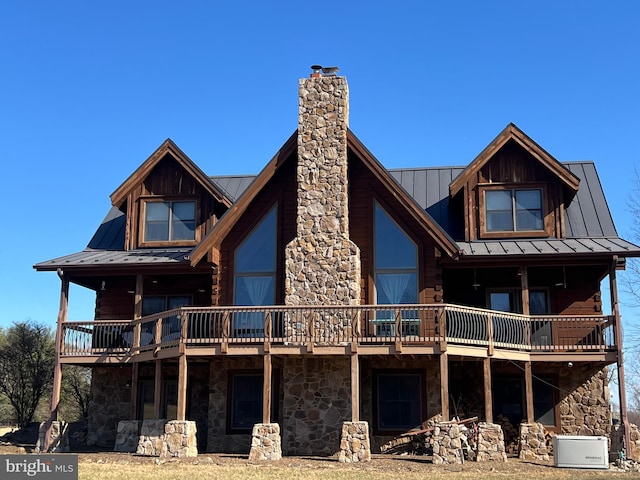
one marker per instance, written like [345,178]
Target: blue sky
[88,90]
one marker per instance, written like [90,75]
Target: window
[169,221]
[168,401]
[396,273]
[513,210]
[255,275]
[170,325]
[398,401]
[245,401]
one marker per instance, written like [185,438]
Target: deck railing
[339,325]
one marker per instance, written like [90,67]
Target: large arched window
[255,275]
[396,271]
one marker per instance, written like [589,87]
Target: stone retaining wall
[355,445]
[265,442]
[533,443]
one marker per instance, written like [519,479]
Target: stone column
[447,444]
[128,436]
[355,445]
[265,442]
[150,441]
[533,444]
[490,444]
[58,437]
[179,439]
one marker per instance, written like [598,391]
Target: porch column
[137,315]
[528,382]
[488,398]
[355,388]
[524,285]
[57,369]
[444,385]
[266,389]
[157,391]
[622,390]
[182,388]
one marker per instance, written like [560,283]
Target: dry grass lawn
[119,466]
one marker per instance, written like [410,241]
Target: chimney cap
[316,68]
[330,70]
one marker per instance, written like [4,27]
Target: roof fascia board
[511,131]
[168,146]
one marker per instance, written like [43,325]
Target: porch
[339,330]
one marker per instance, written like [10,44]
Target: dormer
[168,201]
[514,189]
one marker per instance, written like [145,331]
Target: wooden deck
[339,330]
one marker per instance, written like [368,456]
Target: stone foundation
[128,436]
[151,438]
[179,439]
[447,444]
[59,439]
[265,442]
[110,402]
[490,444]
[355,445]
[533,444]
[586,410]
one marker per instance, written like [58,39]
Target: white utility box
[580,452]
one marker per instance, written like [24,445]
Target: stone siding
[317,400]
[128,436]
[586,410]
[151,441]
[110,402]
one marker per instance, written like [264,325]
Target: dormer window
[509,210]
[169,221]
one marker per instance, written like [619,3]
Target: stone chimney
[322,264]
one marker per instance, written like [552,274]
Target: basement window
[398,401]
[245,401]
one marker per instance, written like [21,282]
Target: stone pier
[127,436]
[447,444]
[490,444]
[533,444]
[179,439]
[265,442]
[355,445]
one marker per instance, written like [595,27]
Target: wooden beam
[135,368]
[524,283]
[57,368]
[182,388]
[488,398]
[622,390]
[355,388]
[528,382]
[266,389]
[444,385]
[157,391]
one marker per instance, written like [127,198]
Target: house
[329,289]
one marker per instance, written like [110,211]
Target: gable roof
[168,147]
[512,132]
[217,234]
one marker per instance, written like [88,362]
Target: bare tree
[76,384]
[27,357]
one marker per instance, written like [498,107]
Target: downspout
[622,391]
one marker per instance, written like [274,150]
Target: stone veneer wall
[110,402]
[322,265]
[431,368]
[317,400]
[586,410]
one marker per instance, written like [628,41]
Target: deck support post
[488,398]
[524,284]
[266,389]
[57,369]
[444,385]
[137,315]
[528,382]
[157,391]
[355,388]
[182,388]
[622,390]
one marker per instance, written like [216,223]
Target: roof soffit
[512,132]
[168,147]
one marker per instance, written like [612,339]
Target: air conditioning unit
[580,452]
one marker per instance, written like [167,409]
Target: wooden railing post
[267,332]
[398,324]
[490,334]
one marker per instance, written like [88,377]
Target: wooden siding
[169,180]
